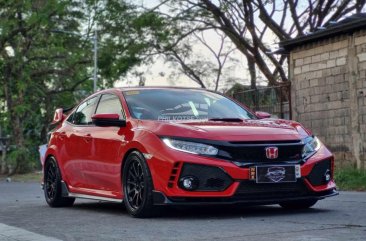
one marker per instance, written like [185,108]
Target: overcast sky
[153,72]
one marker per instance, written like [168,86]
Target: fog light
[327,176]
[189,183]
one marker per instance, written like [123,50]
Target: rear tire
[52,186]
[138,187]
[301,204]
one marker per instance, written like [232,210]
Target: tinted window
[70,118]
[83,114]
[182,104]
[110,104]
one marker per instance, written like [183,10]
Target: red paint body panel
[91,158]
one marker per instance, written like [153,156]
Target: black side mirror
[108,120]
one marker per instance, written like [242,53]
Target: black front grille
[210,178]
[250,189]
[256,152]
[317,174]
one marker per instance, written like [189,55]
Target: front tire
[301,204]
[52,186]
[138,187]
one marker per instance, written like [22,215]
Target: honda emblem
[272,152]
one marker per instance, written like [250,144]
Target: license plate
[275,174]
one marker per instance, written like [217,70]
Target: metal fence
[274,100]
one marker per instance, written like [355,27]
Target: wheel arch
[138,149]
[50,156]
[126,156]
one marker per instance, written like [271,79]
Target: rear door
[78,143]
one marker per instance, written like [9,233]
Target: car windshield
[182,105]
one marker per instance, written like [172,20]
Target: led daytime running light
[312,145]
[191,147]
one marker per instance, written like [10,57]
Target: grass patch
[29,177]
[350,179]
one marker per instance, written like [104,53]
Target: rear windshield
[182,105]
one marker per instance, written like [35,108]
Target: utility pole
[95,51]
[95,76]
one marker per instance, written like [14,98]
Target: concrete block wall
[329,93]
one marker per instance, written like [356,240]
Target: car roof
[156,87]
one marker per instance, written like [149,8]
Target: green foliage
[350,178]
[46,61]
[22,160]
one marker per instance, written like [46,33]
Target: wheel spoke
[140,197]
[135,199]
[131,190]
[138,169]
[131,175]
[51,175]
[131,183]
[134,169]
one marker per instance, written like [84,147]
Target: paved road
[24,215]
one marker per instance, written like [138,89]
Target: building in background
[327,69]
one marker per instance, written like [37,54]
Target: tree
[36,65]
[206,69]
[250,24]
[46,59]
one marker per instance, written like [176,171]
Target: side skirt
[66,193]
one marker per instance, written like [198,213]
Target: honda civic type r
[149,147]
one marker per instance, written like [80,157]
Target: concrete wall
[329,93]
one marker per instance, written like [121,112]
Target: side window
[110,104]
[70,118]
[83,114]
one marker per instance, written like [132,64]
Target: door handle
[87,137]
[62,135]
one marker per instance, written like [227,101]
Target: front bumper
[233,185]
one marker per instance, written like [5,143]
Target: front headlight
[191,147]
[312,145]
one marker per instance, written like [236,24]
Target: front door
[104,170]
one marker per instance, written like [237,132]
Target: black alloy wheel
[52,186]
[137,186]
[50,181]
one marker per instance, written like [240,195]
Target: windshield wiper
[226,119]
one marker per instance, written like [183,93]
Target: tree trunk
[253,82]
[3,148]
[16,127]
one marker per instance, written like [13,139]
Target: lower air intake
[210,178]
[317,174]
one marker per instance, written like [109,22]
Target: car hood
[247,130]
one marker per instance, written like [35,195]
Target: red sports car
[149,147]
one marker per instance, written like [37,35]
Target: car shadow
[200,212]
[101,207]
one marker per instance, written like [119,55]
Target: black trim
[348,25]
[64,189]
[99,96]
[317,175]
[209,178]
[235,143]
[249,153]
[161,199]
